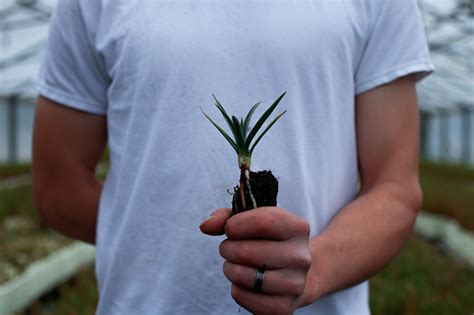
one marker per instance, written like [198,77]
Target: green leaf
[238,130]
[226,117]
[228,138]
[265,131]
[261,121]
[247,119]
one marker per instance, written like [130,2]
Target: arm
[67,146]
[369,232]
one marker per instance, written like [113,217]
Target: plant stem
[245,186]
[247,178]
[242,188]
[244,160]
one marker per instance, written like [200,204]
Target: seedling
[256,189]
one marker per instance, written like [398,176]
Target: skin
[67,146]
[361,239]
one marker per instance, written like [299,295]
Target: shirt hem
[66,99]
[421,68]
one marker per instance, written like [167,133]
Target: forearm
[363,238]
[71,207]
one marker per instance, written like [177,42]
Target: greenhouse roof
[451,37]
[24,26]
[23,32]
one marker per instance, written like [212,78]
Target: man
[133,74]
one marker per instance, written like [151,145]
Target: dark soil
[264,187]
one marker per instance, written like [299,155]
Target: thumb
[214,225]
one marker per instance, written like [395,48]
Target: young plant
[244,144]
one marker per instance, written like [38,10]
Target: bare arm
[368,233]
[67,146]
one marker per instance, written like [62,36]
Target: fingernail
[208,219]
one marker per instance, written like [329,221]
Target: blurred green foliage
[422,280]
[460,172]
[17,201]
[448,190]
[7,170]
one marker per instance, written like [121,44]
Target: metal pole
[12,121]
[425,119]
[444,134]
[466,130]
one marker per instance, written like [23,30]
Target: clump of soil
[263,187]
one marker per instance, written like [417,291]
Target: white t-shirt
[149,65]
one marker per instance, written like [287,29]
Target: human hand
[267,238]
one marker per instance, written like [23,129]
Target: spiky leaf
[242,141]
[248,118]
[226,117]
[227,137]
[265,131]
[238,130]
[261,121]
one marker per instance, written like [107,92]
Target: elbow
[406,192]
[406,199]
[410,198]
[404,196]
[411,195]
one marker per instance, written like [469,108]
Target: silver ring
[257,287]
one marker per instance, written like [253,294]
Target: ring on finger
[260,275]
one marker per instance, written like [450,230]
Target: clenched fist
[268,238]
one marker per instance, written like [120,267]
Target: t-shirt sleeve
[72,72]
[396,46]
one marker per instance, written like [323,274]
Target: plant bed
[22,242]
[32,259]
[76,296]
[448,234]
[43,275]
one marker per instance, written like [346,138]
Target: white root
[247,179]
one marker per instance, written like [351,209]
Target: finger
[261,304]
[214,224]
[266,222]
[272,254]
[275,282]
